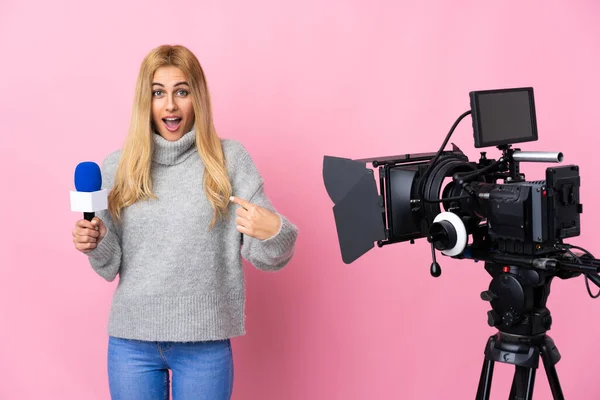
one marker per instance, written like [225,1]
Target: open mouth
[172,123]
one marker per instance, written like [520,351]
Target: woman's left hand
[255,221]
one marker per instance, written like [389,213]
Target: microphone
[88,196]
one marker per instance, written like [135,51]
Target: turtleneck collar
[171,153]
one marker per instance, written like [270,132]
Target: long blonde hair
[132,178]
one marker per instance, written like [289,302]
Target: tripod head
[520,285]
[518,293]
[518,299]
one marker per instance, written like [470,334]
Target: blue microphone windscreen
[88,177]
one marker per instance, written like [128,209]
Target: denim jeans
[139,370]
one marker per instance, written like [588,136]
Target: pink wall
[293,81]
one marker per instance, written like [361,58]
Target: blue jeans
[139,370]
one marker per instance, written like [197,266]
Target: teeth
[172,119]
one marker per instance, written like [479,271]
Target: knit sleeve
[275,252]
[105,259]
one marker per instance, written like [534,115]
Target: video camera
[490,213]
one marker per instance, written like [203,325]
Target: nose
[171,104]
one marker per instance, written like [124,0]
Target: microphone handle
[88,216]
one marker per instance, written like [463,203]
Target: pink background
[294,81]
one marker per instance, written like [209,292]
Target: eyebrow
[177,84]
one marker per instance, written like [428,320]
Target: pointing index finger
[241,202]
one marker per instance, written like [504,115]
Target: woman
[184,207]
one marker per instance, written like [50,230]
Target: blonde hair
[132,178]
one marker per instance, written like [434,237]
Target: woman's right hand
[87,234]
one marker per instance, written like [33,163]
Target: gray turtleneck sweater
[179,280]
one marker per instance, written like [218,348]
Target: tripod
[518,298]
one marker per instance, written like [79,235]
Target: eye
[156,93]
[182,93]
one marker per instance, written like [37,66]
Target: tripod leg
[485,381]
[550,357]
[522,385]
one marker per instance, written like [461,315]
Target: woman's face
[172,110]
